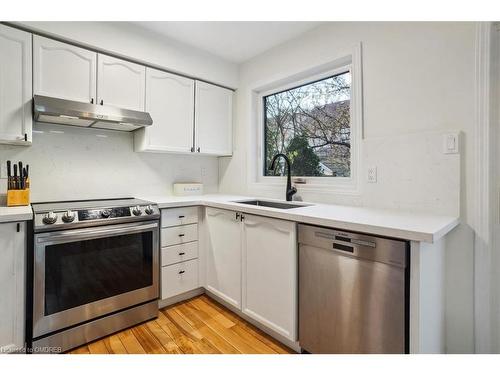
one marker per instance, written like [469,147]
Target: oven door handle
[90,233]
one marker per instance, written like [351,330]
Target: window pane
[311,125]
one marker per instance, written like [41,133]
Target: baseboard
[180,297]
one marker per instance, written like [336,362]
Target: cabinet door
[120,83]
[270,273]
[63,71]
[15,86]
[170,101]
[223,256]
[12,270]
[213,119]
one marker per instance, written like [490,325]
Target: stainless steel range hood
[68,112]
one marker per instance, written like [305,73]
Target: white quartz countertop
[22,213]
[390,223]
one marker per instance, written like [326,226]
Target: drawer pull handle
[183,253]
[181,272]
[181,216]
[181,235]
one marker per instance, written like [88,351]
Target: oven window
[81,272]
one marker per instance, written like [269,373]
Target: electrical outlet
[372,174]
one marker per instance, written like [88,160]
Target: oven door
[83,274]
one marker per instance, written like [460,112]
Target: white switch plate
[451,143]
[372,174]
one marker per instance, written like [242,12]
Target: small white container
[188,188]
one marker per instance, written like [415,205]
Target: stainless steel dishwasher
[353,292]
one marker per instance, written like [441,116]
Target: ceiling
[232,41]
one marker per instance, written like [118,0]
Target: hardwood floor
[196,326]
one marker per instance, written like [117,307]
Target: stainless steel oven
[91,270]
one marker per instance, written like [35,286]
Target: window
[311,124]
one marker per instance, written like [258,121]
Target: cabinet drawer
[179,278]
[177,235]
[179,253]
[179,216]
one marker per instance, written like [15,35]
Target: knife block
[18,197]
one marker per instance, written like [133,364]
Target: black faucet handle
[290,193]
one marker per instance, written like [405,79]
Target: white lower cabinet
[247,261]
[12,281]
[269,273]
[181,234]
[223,258]
[179,216]
[179,251]
[179,278]
[252,265]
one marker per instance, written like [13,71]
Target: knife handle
[15,187]
[9,175]
[21,175]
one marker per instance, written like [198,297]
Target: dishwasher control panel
[379,249]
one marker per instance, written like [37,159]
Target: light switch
[450,143]
[372,174]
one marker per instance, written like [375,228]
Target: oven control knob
[137,211]
[106,213]
[149,210]
[50,218]
[68,216]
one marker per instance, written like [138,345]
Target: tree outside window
[311,125]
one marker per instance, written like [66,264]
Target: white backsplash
[71,163]
[413,173]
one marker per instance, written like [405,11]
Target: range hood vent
[68,112]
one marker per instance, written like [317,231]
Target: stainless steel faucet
[290,190]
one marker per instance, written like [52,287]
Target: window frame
[290,86]
[261,184]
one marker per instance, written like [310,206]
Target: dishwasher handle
[341,239]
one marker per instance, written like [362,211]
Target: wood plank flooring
[196,326]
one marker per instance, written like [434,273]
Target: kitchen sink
[281,205]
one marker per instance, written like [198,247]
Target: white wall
[418,80]
[130,40]
[495,186]
[70,163]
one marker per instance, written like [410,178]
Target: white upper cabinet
[63,71]
[269,273]
[213,119]
[12,292]
[170,101]
[15,86]
[223,258]
[120,83]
